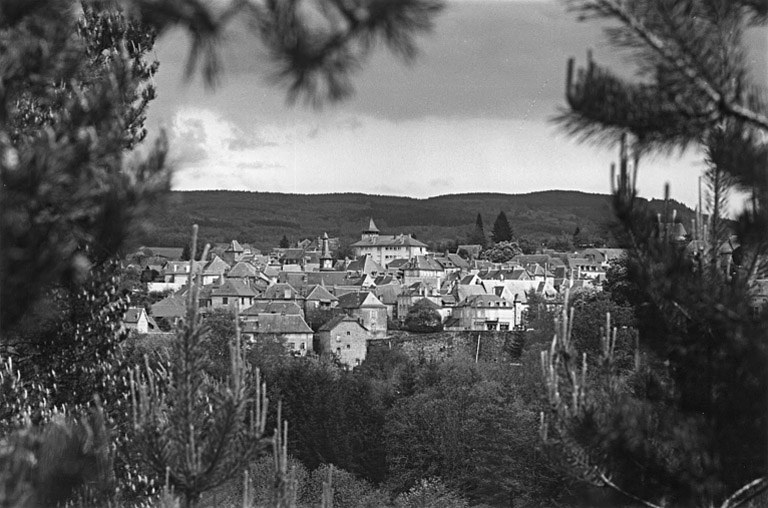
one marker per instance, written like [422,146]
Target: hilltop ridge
[262,218]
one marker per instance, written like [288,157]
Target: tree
[501,252]
[502,231]
[422,318]
[477,237]
[284,242]
[702,361]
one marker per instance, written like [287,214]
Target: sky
[471,114]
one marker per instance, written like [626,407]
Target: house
[233,252]
[244,272]
[385,248]
[318,297]
[265,307]
[485,312]
[410,294]
[368,309]
[388,294]
[171,308]
[365,265]
[281,291]
[344,337]
[136,318]
[290,328]
[213,272]
[175,274]
[471,251]
[423,269]
[232,294]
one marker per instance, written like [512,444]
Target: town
[314,303]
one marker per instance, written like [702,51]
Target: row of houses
[350,302]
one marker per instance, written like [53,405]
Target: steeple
[326,261]
[372,232]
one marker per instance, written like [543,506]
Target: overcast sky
[471,114]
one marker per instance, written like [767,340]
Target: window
[225,300]
[348,332]
[357,362]
[504,327]
[291,346]
[338,351]
[490,326]
[303,346]
[348,346]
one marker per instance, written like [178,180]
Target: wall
[494,346]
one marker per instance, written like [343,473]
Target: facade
[385,248]
[233,295]
[291,329]
[423,269]
[368,310]
[136,318]
[486,312]
[346,338]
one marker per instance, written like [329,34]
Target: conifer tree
[478,234]
[685,425]
[502,231]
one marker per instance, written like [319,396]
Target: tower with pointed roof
[326,261]
[372,232]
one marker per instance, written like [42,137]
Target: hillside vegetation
[262,219]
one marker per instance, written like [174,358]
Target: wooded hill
[262,219]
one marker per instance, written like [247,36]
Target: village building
[319,298]
[423,269]
[233,295]
[291,329]
[284,308]
[368,309]
[486,312]
[346,338]
[385,248]
[136,319]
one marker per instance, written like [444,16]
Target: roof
[133,314]
[328,279]
[233,288]
[336,321]
[242,270]
[319,293]
[234,246]
[389,241]
[170,306]
[266,307]
[388,294]
[280,291]
[423,263]
[216,265]
[397,263]
[277,323]
[357,300]
[364,264]
[371,227]
[292,255]
[485,301]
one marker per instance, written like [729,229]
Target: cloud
[419,158]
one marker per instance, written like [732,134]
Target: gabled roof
[280,291]
[216,266]
[233,288]
[170,306]
[365,264]
[388,294]
[267,307]
[458,261]
[357,300]
[277,323]
[465,291]
[336,321]
[242,270]
[292,255]
[328,279]
[319,293]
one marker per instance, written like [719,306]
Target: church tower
[372,232]
[326,261]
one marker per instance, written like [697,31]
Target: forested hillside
[262,219]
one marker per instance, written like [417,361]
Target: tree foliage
[502,231]
[686,425]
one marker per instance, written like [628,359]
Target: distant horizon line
[404,196]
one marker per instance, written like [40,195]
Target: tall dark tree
[687,425]
[502,231]
[284,242]
[478,233]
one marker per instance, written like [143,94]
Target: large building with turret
[386,248]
